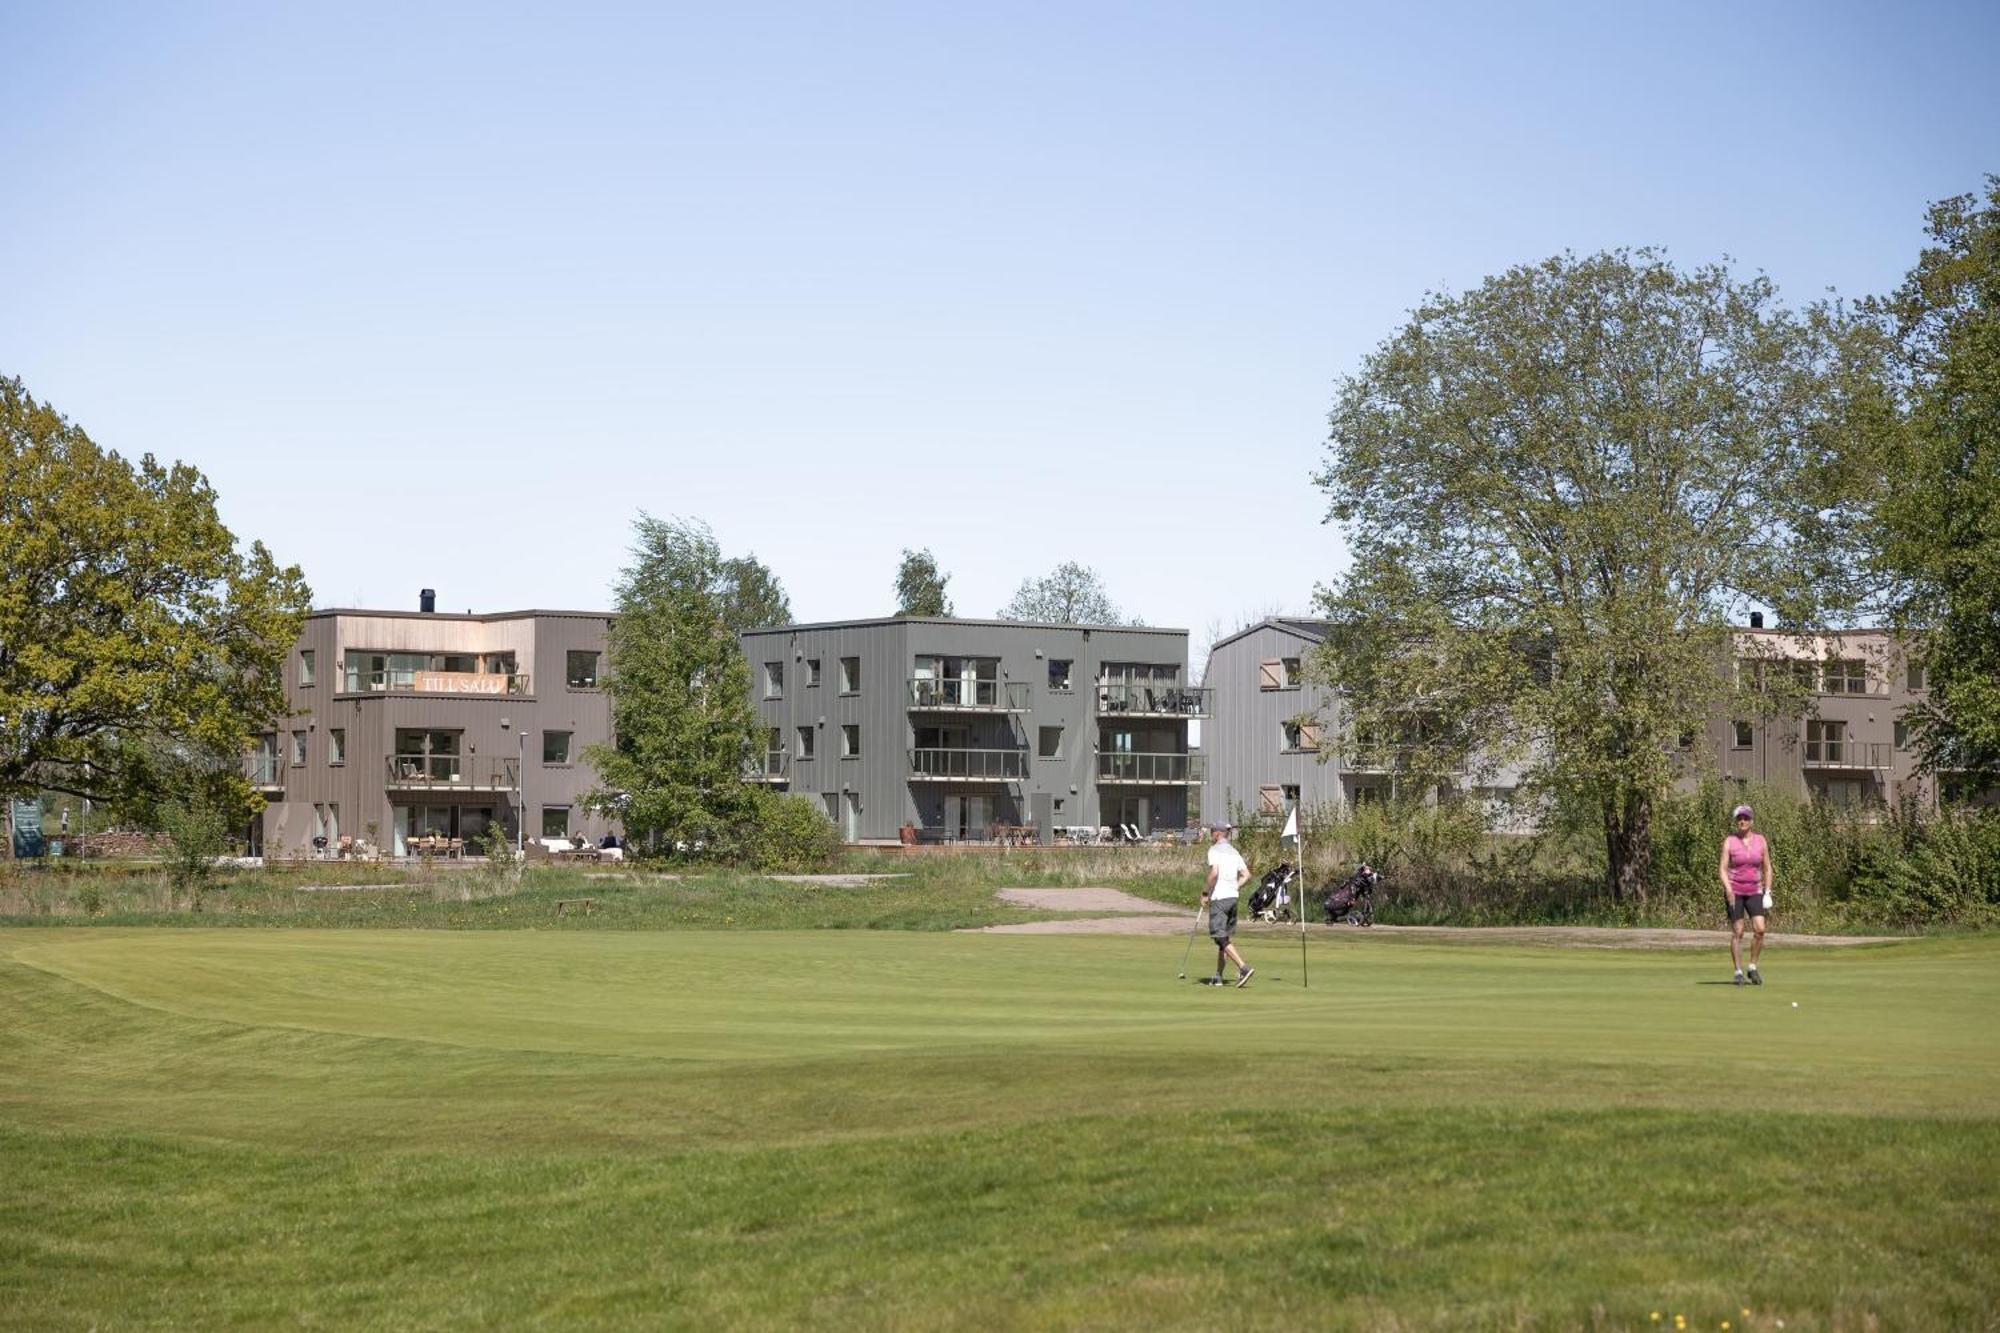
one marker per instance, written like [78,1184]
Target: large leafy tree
[1069,594]
[920,585]
[752,597]
[1558,490]
[1940,519]
[139,645]
[680,693]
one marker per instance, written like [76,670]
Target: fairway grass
[421,1128]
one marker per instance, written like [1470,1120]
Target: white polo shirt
[1226,861]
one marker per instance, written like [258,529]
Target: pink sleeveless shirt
[1746,864]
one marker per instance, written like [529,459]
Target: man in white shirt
[1227,874]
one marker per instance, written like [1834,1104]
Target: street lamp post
[520,797]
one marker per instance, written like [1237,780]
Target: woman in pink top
[1745,871]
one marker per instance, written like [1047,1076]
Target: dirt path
[1142,916]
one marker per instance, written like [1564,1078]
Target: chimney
[1756,619]
[427,601]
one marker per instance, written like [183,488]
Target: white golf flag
[1291,833]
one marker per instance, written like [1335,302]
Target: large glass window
[432,755]
[581,669]
[555,747]
[1846,676]
[555,821]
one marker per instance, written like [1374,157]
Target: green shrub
[786,833]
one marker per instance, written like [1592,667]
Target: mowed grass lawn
[416,1128]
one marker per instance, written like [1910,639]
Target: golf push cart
[1354,899]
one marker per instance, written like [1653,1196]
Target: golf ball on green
[1795,1004]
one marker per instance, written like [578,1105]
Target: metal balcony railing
[950,765]
[452,772]
[1153,700]
[1150,769]
[438,682]
[770,766]
[1848,754]
[966,694]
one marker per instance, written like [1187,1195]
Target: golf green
[430,1128]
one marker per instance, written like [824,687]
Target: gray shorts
[1221,920]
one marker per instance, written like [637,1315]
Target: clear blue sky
[441,295]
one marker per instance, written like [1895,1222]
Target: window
[1293,675]
[1059,672]
[336,746]
[1902,735]
[812,671]
[832,800]
[1824,742]
[1270,800]
[555,821]
[850,675]
[1749,673]
[1918,680]
[850,740]
[582,669]
[1048,743]
[805,750]
[1270,676]
[1301,735]
[555,747]
[774,680]
[1744,734]
[1291,794]
[298,749]
[305,668]
[1846,676]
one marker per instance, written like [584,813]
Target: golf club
[1189,951]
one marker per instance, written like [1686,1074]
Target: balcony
[1121,768]
[452,772]
[770,766]
[488,684]
[966,694]
[266,773]
[1856,755]
[1388,759]
[968,765]
[1125,701]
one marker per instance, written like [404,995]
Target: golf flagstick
[1298,836]
[1291,835]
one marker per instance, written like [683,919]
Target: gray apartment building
[970,729]
[409,724]
[1852,749]
[1275,740]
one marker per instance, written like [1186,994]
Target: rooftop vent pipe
[427,601]
[1756,619]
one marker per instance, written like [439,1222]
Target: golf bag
[1271,900]
[1354,900]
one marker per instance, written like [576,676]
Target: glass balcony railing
[947,765]
[1848,754]
[266,771]
[453,772]
[1153,700]
[438,682]
[770,766]
[1150,769]
[967,694]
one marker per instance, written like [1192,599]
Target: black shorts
[1221,920]
[1747,904]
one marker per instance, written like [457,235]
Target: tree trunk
[1628,845]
